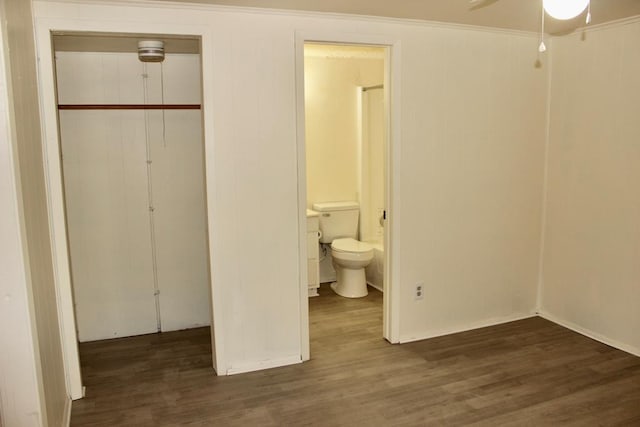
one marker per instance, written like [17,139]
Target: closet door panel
[181,235]
[106,196]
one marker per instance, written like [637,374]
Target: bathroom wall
[591,270]
[332,77]
[472,109]
[373,126]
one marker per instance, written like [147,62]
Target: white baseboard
[66,420]
[469,327]
[591,334]
[374,286]
[241,368]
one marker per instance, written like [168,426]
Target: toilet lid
[350,245]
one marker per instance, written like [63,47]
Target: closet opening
[133,173]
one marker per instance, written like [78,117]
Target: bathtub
[375,270]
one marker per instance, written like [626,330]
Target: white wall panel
[472,167]
[182,80]
[181,231]
[177,177]
[34,289]
[21,403]
[105,178]
[373,165]
[592,242]
[259,262]
[108,203]
[99,78]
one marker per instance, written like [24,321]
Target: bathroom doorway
[131,153]
[347,112]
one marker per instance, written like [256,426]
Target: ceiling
[507,14]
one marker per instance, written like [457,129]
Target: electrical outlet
[419,292]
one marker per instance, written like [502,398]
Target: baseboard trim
[590,334]
[374,286]
[470,327]
[242,368]
[66,420]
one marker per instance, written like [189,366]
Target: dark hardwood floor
[531,372]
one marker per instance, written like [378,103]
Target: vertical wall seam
[152,224]
[545,182]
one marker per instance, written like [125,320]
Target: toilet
[339,226]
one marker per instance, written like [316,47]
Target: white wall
[373,126]
[33,385]
[469,176]
[592,240]
[331,121]
[19,378]
[116,260]
[472,165]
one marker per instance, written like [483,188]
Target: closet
[133,172]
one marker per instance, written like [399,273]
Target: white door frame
[53,171]
[391,312]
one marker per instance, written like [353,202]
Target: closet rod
[128,106]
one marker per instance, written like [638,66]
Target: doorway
[369,177]
[131,143]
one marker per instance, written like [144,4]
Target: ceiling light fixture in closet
[151,50]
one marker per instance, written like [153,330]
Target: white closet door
[105,181]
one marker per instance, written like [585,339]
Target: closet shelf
[129,106]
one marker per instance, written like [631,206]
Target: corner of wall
[545,183]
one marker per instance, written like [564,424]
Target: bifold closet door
[108,217]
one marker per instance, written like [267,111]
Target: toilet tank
[337,220]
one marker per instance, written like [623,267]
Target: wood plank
[129,106]
[530,372]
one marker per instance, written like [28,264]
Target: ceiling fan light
[564,9]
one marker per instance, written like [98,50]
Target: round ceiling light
[151,50]
[564,9]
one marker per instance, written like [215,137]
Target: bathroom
[345,141]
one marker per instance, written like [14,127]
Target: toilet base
[351,283]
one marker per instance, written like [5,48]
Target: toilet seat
[349,245]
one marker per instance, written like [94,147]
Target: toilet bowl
[350,257]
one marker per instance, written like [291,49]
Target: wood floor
[531,372]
